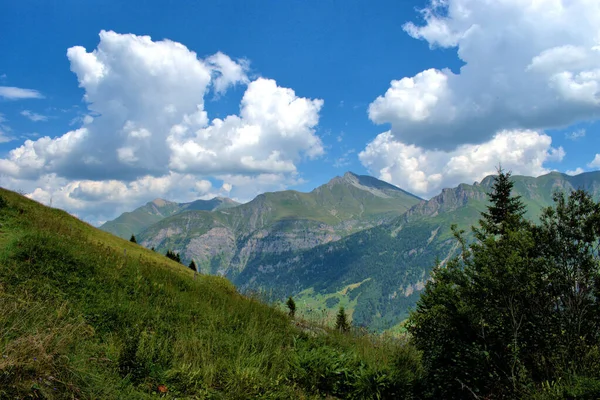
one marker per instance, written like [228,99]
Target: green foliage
[332,302]
[341,321]
[81,318]
[517,314]
[132,239]
[325,368]
[505,210]
[192,266]
[291,305]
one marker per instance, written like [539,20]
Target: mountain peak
[369,184]
[160,202]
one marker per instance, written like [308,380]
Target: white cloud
[529,64]
[228,71]
[35,117]
[273,130]
[595,163]
[425,172]
[578,134]
[146,127]
[15,93]
[575,171]
[98,201]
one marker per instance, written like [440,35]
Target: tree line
[517,314]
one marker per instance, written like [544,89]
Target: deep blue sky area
[343,52]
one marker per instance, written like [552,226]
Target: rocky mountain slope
[378,273]
[223,241]
[132,223]
[356,241]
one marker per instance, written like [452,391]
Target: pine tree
[291,305]
[341,321]
[505,211]
[192,266]
[173,256]
[132,239]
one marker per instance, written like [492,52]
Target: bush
[291,305]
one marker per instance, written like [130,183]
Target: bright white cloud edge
[154,137]
[528,65]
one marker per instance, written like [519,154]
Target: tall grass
[84,314]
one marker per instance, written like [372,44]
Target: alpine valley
[356,241]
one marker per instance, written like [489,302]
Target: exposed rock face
[224,241]
[352,229]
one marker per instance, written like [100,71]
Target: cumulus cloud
[146,130]
[98,201]
[595,163]
[15,93]
[425,172]
[274,129]
[528,65]
[228,72]
[575,171]
[35,117]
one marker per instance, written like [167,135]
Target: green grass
[87,315]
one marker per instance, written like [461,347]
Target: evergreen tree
[341,321]
[505,211]
[192,266]
[132,239]
[173,256]
[291,305]
[519,307]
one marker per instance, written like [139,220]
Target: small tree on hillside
[132,239]
[341,321]
[291,305]
[173,256]
[192,266]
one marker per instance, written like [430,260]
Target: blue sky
[475,84]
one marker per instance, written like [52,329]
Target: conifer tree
[132,239]
[192,266]
[519,307]
[505,211]
[341,321]
[173,256]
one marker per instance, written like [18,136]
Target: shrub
[291,305]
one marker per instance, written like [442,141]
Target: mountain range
[356,241]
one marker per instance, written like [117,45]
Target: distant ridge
[134,222]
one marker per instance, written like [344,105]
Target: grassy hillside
[84,314]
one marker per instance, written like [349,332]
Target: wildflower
[162,389]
